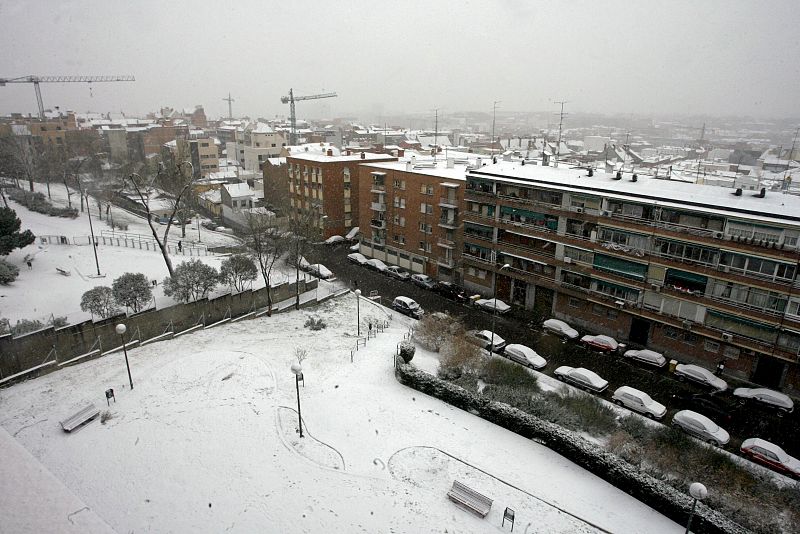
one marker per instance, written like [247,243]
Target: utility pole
[435,133]
[560,124]
[494,116]
[230,107]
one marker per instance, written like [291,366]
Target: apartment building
[325,185]
[410,214]
[703,272]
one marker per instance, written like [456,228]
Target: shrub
[38,203]
[8,272]
[595,416]
[407,350]
[105,415]
[100,301]
[24,326]
[434,330]
[58,322]
[315,323]
[238,272]
[10,236]
[132,290]
[459,356]
[500,371]
[193,280]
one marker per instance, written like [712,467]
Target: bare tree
[267,240]
[180,176]
[305,230]
[21,157]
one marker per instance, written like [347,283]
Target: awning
[687,276]
[619,266]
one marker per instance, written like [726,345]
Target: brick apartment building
[410,214]
[690,270]
[324,184]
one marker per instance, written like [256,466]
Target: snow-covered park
[206,441]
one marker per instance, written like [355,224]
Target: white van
[408,306]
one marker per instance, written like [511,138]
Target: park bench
[470,499]
[81,418]
[63,272]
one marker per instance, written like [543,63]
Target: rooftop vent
[635,177]
[363,156]
[762,193]
[618,176]
[738,192]
[591,172]
[523,162]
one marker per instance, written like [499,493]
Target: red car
[769,454]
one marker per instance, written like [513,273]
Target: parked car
[701,427]
[422,280]
[601,343]
[408,306]
[524,355]
[708,404]
[769,454]
[639,401]
[334,240]
[582,378]
[700,375]
[303,264]
[768,397]
[376,265]
[560,328]
[320,271]
[357,257]
[355,248]
[451,291]
[493,305]
[647,356]
[483,338]
[396,272]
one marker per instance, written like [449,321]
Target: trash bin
[672,365]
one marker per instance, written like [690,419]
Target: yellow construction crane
[36,80]
[291,99]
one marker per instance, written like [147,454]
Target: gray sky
[732,57]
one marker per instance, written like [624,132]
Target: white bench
[81,418]
[470,499]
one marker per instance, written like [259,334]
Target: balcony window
[686,281]
[620,267]
[617,291]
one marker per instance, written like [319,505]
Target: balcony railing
[446,243]
[448,223]
[446,262]
[378,188]
[377,223]
[448,202]
[378,206]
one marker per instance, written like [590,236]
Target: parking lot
[745,421]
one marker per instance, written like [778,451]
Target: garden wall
[94,338]
[658,495]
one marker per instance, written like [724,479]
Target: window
[574,302]
[426,189]
[397,238]
[598,310]
[426,208]
[273,145]
[711,346]
[425,228]
[400,184]
[611,313]
[399,202]
[399,221]
[424,246]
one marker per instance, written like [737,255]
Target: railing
[446,201]
[445,242]
[527,226]
[450,223]
[378,206]
[377,188]
[376,223]
[445,262]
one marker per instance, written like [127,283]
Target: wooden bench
[470,499]
[63,272]
[81,418]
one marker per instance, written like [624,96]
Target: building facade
[693,271]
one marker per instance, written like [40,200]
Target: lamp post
[121,329]
[198,229]
[494,305]
[698,492]
[298,370]
[358,312]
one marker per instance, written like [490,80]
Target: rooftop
[310,156]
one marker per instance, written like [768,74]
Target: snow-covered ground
[42,291]
[206,441]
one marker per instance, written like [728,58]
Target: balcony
[378,188]
[447,202]
[446,262]
[446,243]
[451,224]
[378,206]
[377,223]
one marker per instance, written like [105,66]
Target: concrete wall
[30,350]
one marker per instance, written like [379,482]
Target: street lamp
[298,370]
[121,328]
[698,492]
[358,312]
[494,305]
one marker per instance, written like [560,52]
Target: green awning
[619,266]
[687,276]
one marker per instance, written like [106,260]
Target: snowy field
[206,441]
[42,291]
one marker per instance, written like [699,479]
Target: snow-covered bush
[238,272]
[132,290]
[433,330]
[100,301]
[8,272]
[193,280]
[315,323]
[503,372]
[38,203]
[407,350]
[459,356]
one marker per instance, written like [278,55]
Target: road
[747,421]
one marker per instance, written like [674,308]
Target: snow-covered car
[769,397]
[376,265]
[334,240]
[647,356]
[771,455]
[582,378]
[484,339]
[357,257]
[560,328]
[407,306]
[396,272]
[638,401]
[352,234]
[319,270]
[601,343]
[493,305]
[355,248]
[524,355]
[303,264]
[701,427]
[451,291]
[422,280]
[700,375]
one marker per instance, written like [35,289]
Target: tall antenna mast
[230,107]
[789,157]
[560,124]
[494,116]
[435,133]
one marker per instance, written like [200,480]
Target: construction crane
[36,80]
[291,99]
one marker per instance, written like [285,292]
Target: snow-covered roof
[238,190]
[213,195]
[276,161]
[263,127]
[352,157]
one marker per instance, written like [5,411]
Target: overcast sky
[732,57]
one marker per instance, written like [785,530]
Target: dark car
[451,291]
[708,404]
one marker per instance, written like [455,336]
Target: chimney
[634,177]
[738,192]
[347,152]
[451,163]
[591,172]
[618,176]
[409,166]
[400,152]
[330,152]
[363,155]
[762,193]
